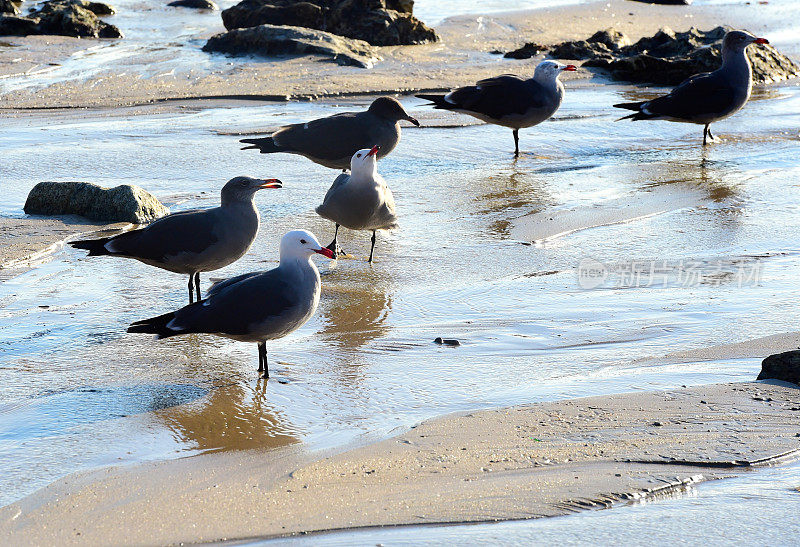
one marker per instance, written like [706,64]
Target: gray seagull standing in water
[253,307]
[360,200]
[332,141]
[708,97]
[191,242]
[508,100]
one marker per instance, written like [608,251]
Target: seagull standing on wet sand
[508,100]
[191,242]
[360,200]
[333,140]
[253,307]
[708,97]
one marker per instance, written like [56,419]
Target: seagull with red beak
[708,97]
[196,241]
[508,100]
[360,200]
[253,307]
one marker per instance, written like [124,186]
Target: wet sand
[514,463]
[461,57]
[25,242]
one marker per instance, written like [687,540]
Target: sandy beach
[250,473]
[461,57]
[513,463]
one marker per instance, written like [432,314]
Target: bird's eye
[358,155]
[303,241]
[243,183]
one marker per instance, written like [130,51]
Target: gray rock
[123,203]
[9,6]
[781,366]
[611,38]
[14,25]
[195,4]
[379,22]
[65,18]
[530,49]
[270,40]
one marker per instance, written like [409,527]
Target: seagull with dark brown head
[708,97]
[332,141]
[195,241]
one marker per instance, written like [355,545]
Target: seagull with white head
[509,101]
[360,200]
[253,307]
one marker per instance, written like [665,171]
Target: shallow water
[716,225]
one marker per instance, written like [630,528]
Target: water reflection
[510,195]
[233,417]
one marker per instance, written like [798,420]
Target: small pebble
[657,423]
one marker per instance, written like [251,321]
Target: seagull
[256,306]
[708,97]
[360,200]
[196,241]
[331,141]
[508,100]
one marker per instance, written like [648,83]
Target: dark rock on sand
[379,22]
[666,2]
[781,366]
[269,40]
[7,6]
[65,18]
[668,57]
[123,203]
[75,18]
[195,4]
[530,49]
[13,25]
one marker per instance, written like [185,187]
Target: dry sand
[460,58]
[523,462]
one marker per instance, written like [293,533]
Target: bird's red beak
[570,68]
[325,252]
[374,150]
[761,41]
[271,183]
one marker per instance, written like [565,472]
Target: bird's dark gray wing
[188,231]
[699,95]
[233,308]
[500,96]
[219,285]
[332,138]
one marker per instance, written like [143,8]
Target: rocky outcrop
[77,18]
[123,203]
[379,22]
[781,366]
[194,4]
[10,7]
[666,58]
[270,40]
